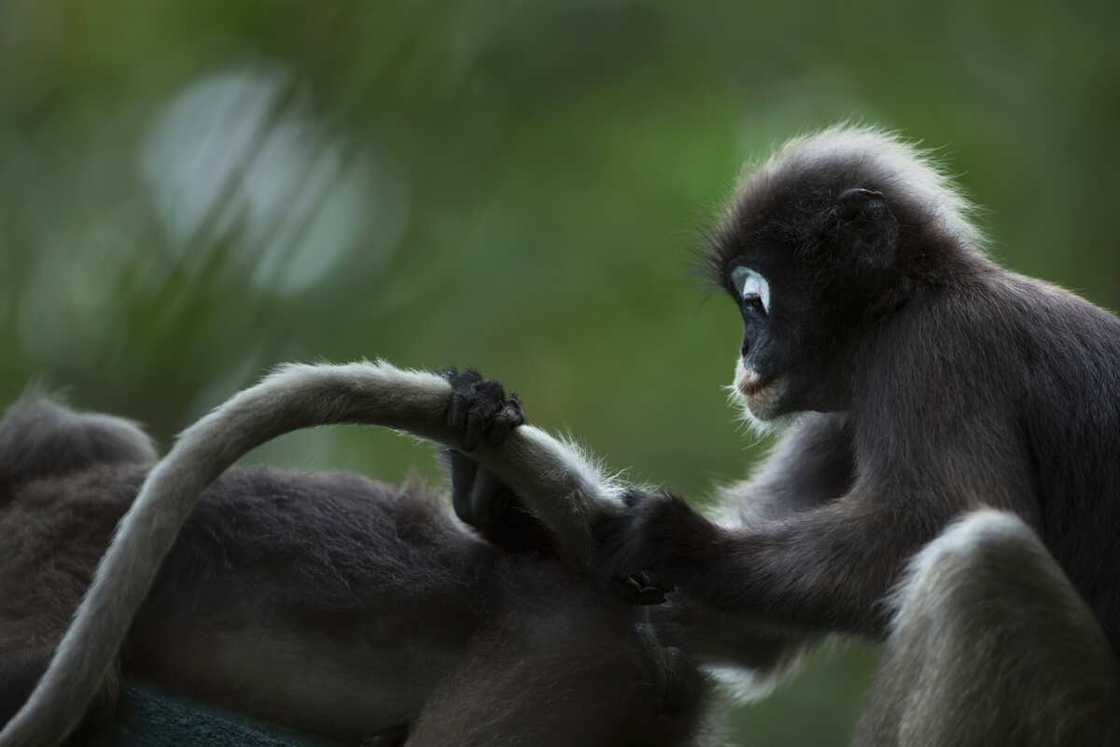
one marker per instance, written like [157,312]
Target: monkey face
[766,369]
[804,263]
[761,365]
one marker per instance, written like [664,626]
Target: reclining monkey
[324,602]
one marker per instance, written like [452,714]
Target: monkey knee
[986,625]
[985,554]
[988,583]
[41,438]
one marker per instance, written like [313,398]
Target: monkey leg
[990,644]
[566,668]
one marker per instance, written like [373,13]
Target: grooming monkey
[917,381]
[914,381]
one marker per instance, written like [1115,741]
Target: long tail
[555,482]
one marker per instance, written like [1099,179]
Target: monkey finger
[637,590]
[490,390]
[457,412]
[472,433]
[513,403]
[513,410]
[651,586]
[508,418]
[463,386]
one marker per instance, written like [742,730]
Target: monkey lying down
[920,382]
[325,602]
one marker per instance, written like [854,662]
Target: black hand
[639,589]
[480,409]
[652,545]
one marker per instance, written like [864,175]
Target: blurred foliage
[191,192]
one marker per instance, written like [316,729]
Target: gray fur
[560,486]
[936,383]
[990,644]
[33,446]
[922,381]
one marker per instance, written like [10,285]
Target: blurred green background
[193,191]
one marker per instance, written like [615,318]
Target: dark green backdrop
[193,191]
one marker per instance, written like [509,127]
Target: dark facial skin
[959,384]
[799,363]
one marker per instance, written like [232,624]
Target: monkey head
[820,243]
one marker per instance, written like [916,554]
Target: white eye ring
[750,286]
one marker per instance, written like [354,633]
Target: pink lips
[751,383]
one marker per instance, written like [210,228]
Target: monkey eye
[751,287]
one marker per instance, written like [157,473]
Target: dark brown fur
[332,604]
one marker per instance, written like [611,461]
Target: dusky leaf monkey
[326,602]
[916,380]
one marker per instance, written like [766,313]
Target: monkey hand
[481,410]
[655,544]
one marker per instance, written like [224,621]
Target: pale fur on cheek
[766,399]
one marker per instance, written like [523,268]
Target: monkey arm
[824,567]
[829,566]
[811,464]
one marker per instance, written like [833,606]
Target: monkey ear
[865,227]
